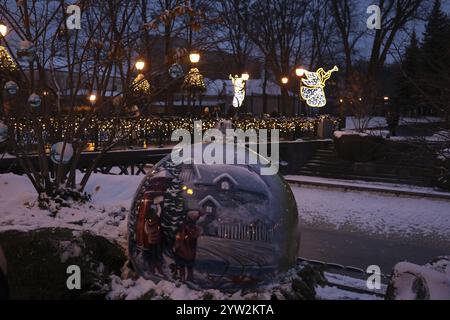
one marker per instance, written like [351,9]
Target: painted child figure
[185,246]
[152,229]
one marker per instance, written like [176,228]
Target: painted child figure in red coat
[185,247]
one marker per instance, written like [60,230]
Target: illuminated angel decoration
[313,86]
[239,90]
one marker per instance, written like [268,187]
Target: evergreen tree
[436,58]
[407,95]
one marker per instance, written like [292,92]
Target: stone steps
[395,167]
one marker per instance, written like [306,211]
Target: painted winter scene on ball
[214,226]
[255,150]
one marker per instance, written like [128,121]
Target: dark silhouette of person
[393,119]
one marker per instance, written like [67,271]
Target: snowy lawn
[112,195]
[373,212]
[105,215]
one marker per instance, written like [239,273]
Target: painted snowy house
[232,202]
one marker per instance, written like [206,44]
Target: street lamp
[3,29]
[245,76]
[93,98]
[300,72]
[386,98]
[284,80]
[140,65]
[194,57]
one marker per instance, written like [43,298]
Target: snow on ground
[380,122]
[104,215]
[334,293]
[373,212]
[375,186]
[129,289]
[112,195]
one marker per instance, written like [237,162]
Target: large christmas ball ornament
[57,150]
[176,71]
[11,87]
[34,100]
[222,226]
[3,132]
[26,51]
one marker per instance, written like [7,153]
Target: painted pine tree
[173,214]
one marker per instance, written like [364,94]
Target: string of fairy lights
[146,128]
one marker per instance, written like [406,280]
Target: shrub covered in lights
[6,62]
[194,82]
[141,85]
[147,128]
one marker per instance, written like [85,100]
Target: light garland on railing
[152,127]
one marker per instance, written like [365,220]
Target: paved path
[360,250]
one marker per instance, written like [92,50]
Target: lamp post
[194,58]
[300,72]
[3,32]
[282,106]
[245,77]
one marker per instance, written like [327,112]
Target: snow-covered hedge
[413,282]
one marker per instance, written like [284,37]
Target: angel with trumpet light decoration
[312,89]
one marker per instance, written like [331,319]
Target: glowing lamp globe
[194,57]
[93,98]
[140,65]
[300,72]
[284,80]
[221,226]
[3,29]
[245,76]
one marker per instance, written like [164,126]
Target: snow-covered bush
[413,282]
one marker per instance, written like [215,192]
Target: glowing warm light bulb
[3,29]
[245,76]
[194,57]
[140,65]
[300,72]
[92,98]
[284,80]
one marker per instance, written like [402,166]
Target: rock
[38,261]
